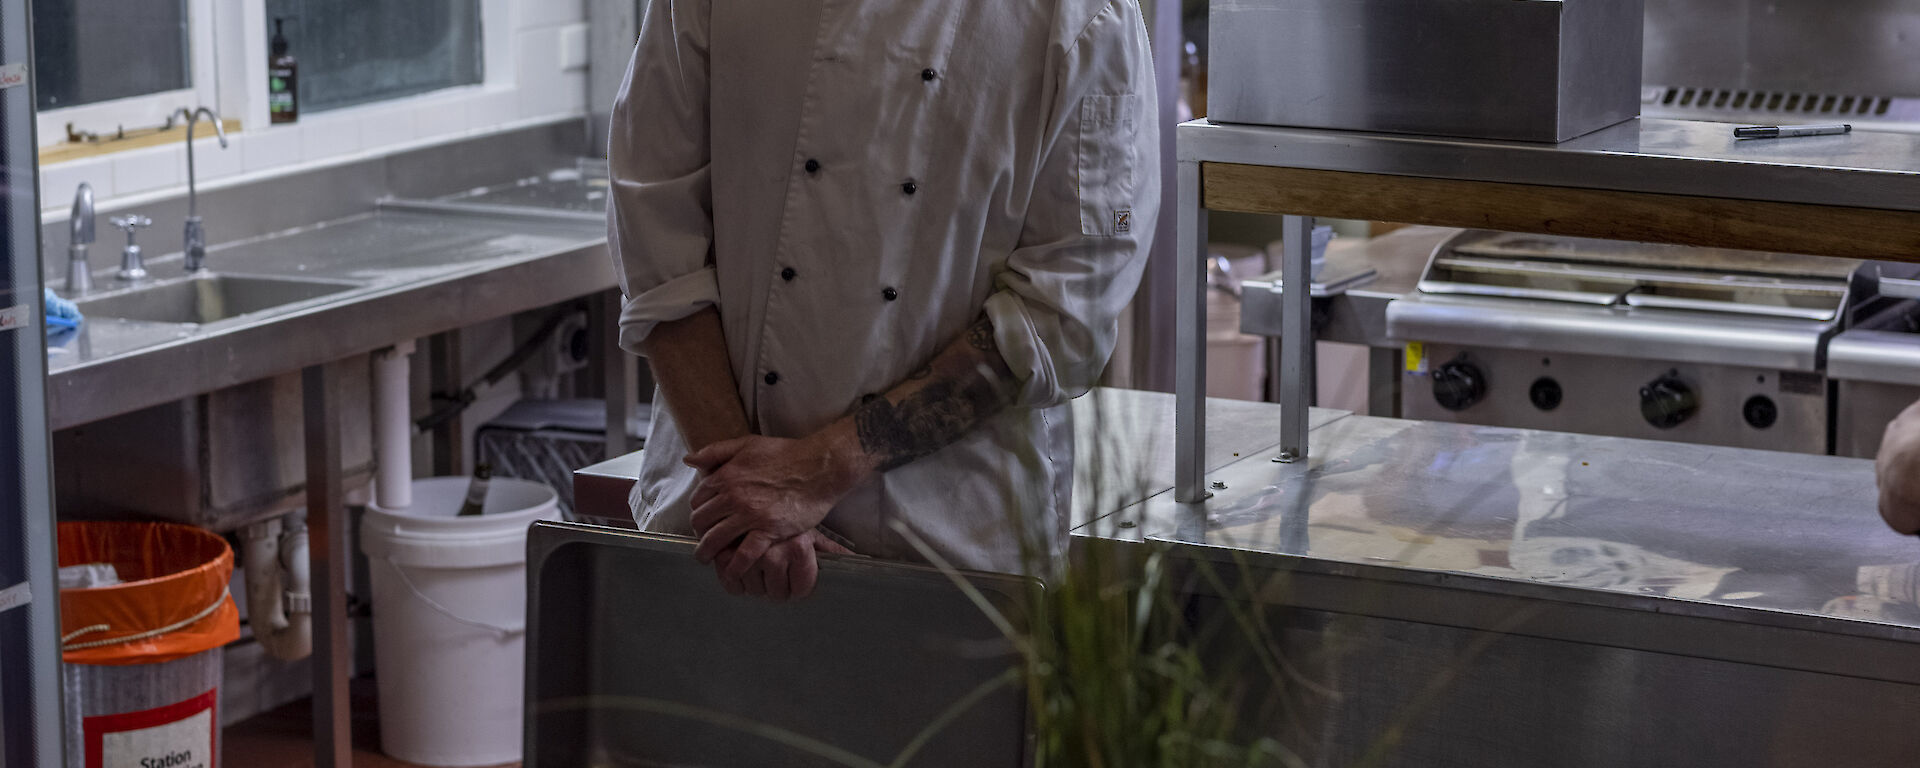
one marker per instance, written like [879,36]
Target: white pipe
[278,606]
[393,428]
[299,593]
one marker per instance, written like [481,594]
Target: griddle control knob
[1546,393]
[1761,412]
[1458,385]
[1668,402]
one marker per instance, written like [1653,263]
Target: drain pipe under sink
[279,586]
[274,554]
[393,427]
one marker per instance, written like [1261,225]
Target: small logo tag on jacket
[1123,221]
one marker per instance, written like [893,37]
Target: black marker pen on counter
[1789,131]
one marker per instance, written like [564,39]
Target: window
[358,51]
[90,51]
[102,66]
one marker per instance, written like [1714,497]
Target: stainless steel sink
[204,299]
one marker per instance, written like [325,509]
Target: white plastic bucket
[449,620]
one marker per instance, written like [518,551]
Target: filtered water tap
[196,232]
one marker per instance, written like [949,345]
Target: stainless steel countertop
[1677,157]
[1753,537]
[1748,536]
[414,275]
[574,190]
[1122,448]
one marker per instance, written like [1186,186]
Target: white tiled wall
[540,78]
[147,170]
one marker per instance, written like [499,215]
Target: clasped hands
[758,505]
[1899,472]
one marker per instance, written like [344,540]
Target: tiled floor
[283,738]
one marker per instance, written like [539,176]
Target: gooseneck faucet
[80,226]
[196,235]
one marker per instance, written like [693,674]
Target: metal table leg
[447,378]
[618,371]
[1296,335]
[1190,359]
[1383,382]
[327,549]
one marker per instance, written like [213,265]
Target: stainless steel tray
[637,657]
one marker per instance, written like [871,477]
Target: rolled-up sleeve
[1057,305]
[660,215]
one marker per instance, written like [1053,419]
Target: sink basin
[204,299]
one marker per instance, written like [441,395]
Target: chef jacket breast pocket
[1106,156]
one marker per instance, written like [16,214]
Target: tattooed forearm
[964,386]
[980,336]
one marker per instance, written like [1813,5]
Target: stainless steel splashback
[1784,60]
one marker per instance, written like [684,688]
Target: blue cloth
[60,312]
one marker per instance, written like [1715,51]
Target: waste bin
[449,620]
[142,650]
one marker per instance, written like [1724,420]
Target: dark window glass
[87,51]
[360,51]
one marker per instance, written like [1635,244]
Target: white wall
[536,59]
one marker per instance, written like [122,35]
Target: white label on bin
[15,317]
[15,596]
[12,75]
[175,736]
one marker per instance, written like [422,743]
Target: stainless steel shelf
[1673,157]
[1900,287]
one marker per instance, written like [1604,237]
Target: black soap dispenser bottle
[283,78]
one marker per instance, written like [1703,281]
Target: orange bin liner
[170,574]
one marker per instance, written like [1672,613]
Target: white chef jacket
[852,183]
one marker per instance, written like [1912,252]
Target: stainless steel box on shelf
[1530,70]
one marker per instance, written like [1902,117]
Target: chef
[1899,472]
[871,249]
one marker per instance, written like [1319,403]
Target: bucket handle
[444,611]
[68,645]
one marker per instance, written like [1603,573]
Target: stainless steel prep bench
[1686,596]
[1497,597]
[1510,597]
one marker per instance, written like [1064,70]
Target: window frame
[205,39]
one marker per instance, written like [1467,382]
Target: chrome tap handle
[132,266]
[131,223]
